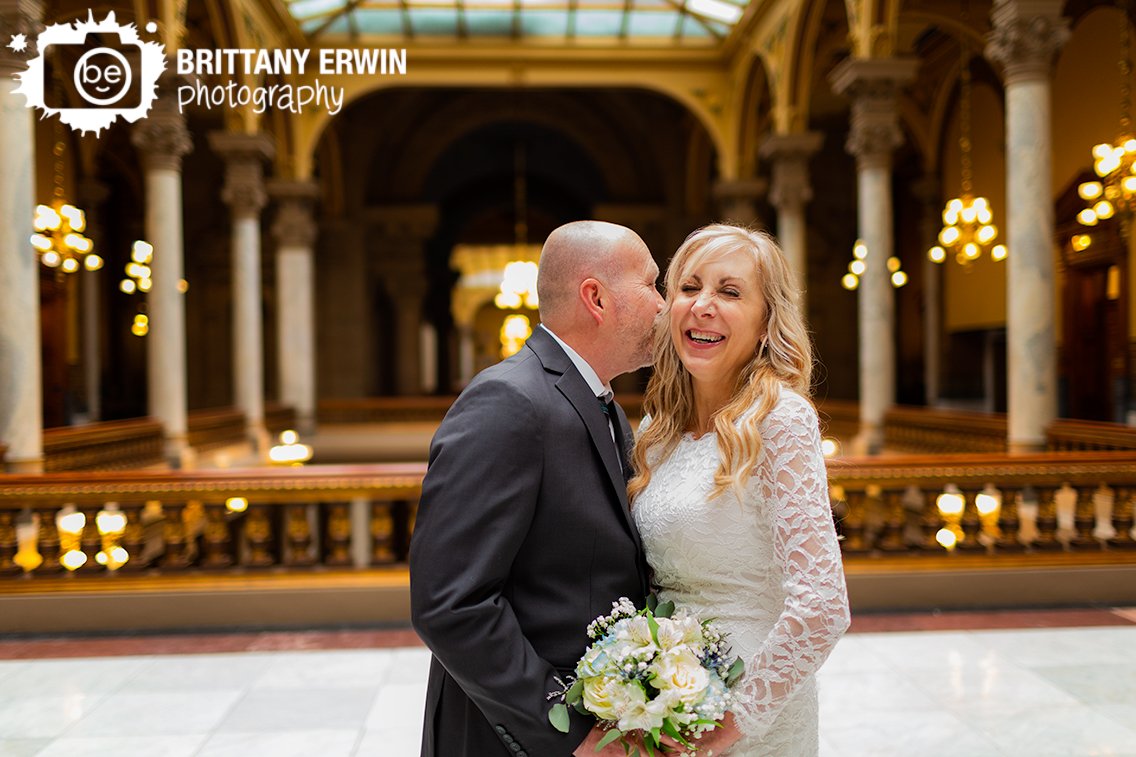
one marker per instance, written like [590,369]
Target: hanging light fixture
[859,264]
[1115,163]
[968,229]
[59,227]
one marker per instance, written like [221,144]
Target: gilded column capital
[162,136]
[1026,37]
[789,154]
[873,86]
[295,222]
[18,17]
[245,154]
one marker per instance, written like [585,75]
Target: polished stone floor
[1016,684]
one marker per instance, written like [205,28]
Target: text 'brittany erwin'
[331,61]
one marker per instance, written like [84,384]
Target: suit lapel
[572,385]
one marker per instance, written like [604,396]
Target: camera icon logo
[108,71]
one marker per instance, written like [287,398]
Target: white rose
[680,677]
[608,697]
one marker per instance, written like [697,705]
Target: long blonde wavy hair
[783,356]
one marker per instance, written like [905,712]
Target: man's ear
[592,295]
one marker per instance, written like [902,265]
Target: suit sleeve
[478,501]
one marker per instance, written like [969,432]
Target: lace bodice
[767,568]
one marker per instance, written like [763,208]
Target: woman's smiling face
[718,317]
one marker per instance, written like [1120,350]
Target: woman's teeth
[704,338]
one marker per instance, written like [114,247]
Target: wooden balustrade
[279,417]
[1068,434]
[107,445]
[1040,503]
[923,429]
[384,409]
[216,427]
[296,518]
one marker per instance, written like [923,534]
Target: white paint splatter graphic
[114,80]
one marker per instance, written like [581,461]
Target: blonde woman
[731,499]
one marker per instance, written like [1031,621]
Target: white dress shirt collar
[599,389]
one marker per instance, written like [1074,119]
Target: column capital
[18,17]
[295,224]
[874,86]
[244,155]
[162,136]
[789,154]
[1026,37]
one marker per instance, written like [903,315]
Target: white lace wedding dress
[767,568]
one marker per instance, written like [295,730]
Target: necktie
[607,406]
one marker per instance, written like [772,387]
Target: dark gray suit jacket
[523,537]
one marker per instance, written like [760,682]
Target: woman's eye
[688,288]
[731,292]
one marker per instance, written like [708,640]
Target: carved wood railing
[107,445]
[384,409]
[279,417]
[1079,502]
[1067,434]
[295,518]
[923,429]
[216,427]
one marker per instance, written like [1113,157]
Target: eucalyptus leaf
[558,716]
[652,602]
[665,609]
[580,708]
[654,626]
[670,730]
[609,737]
[736,671]
[575,692]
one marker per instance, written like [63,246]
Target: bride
[732,499]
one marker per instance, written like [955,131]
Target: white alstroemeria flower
[635,638]
[678,631]
[641,714]
[679,676]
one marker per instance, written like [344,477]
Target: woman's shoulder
[792,405]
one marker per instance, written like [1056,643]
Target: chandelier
[968,229]
[1115,164]
[859,264]
[59,227]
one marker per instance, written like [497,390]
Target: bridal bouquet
[651,672]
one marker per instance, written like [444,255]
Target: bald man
[523,534]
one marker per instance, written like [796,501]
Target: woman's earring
[763,344]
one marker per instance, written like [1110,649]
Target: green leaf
[580,708]
[558,716]
[575,692]
[609,737]
[736,671]
[670,730]
[654,626]
[652,602]
[665,610]
[647,745]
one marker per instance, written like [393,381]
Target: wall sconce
[236,504]
[290,451]
[951,505]
[70,523]
[111,523]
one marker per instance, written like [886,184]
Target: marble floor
[995,688]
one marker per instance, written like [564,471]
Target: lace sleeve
[792,481]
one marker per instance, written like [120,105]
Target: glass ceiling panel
[672,22]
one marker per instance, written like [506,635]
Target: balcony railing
[108,445]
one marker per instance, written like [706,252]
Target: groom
[523,534]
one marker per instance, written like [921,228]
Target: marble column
[295,231]
[929,191]
[790,193]
[21,390]
[402,233]
[245,194]
[737,201]
[91,194]
[874,85]
[162,139]
[1025,39]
